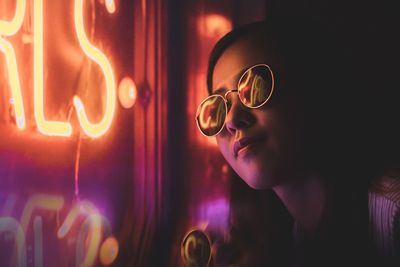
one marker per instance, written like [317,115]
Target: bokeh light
[214,25]
[127,92]
[109,251]
[111,6]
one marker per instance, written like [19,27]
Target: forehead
[241,54]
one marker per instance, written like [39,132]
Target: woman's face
[266,136]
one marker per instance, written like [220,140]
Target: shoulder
[384,214]
[387,188]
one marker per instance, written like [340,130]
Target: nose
[239,116]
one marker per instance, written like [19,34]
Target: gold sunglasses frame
[224,98]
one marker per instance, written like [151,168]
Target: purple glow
[215,214]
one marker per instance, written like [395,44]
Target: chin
[257,176]
[257,182]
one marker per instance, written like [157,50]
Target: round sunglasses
[254,88]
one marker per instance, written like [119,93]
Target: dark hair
[304,43]
[225,42]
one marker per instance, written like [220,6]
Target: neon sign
[45,126]
[9,28]
[94,130]
[89,242]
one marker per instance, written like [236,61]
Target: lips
[243,143]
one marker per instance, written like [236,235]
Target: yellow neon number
[55,128]
[8,224]
[41,201]
[83,207]
[9,28]
[94,129]
[38,235]
[91,238]
[94,221]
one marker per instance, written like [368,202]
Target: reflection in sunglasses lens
[211,115]
[255,86]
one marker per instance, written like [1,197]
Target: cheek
[223,146]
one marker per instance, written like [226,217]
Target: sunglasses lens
[211,115]
[256,86]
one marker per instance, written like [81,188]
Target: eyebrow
[219,91]
[236,76]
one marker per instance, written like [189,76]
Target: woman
[289,108]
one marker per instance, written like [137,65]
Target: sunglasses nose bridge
[229,102]
[228,92]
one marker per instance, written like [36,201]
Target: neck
[305,199]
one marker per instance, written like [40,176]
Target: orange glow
[94,130]
[109,251]
[9,28]
[127,92]
[15,85]
[110,5]
[52,128]
[214,26]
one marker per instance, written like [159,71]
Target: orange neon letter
[94,130]
[9,28]
[55,128]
